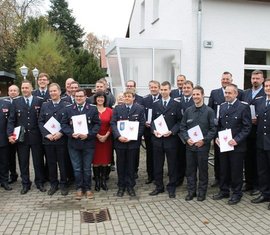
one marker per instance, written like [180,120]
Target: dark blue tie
[165,104]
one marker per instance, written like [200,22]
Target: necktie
[186,100]
[128,109]
[229,105]
[55,104]
[180,93]
[165,104]
[80,107]
[43,93]
[154,98]
[267,103]
[27,103]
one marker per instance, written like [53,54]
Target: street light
[35,74]
[24,71]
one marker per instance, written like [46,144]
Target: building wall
[231,25]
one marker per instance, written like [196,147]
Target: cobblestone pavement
[38,213]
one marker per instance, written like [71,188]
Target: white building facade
[213,36]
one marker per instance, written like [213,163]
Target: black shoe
[64,191]
[260,199]
[269,207]
[201,197]
[234,200]
[215,183]
[190,196]
[220,196]
[6,186]
[51,191]
[149,181]
[156,192]
[131,192]
[25,189]
[254,192]
[13,179]
[41,188]
[120,192]
[171,194]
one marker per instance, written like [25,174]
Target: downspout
[199,42]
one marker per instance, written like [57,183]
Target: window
[142,16]
[155,11]
[256,59]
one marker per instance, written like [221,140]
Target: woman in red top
[103,149]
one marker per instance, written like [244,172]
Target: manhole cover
[95,216]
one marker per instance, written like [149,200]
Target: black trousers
[263,164]
[231,172]
[159,158]
[216,161]
[4,159]
[181,162]
[56,157]
[38,162]
[149,156]
[126,164]
[250,163]
[197,160]
[12,161]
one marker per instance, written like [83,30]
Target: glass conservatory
[142,60]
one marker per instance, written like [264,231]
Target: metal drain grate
[95,216]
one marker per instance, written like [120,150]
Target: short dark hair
[166,83]
[100,94]
[81,89]
[257,72]
[199,88]
[130,91]
[188,82]
[226,73]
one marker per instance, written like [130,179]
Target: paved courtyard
[38,213]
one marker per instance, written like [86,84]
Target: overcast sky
[102,17]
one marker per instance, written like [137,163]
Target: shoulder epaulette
[16,97]
[93,105]
[223,103]
[260,97]
[63,97]
[156,100]
[243,102]
[7,100]
[39,97]
[146,96]
[68,105]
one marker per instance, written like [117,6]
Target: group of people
[245,113]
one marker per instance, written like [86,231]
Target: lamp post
[24,71]
[35,74]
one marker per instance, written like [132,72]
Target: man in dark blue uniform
[168,142]
[185,102]
[154,87]
[197,151]
[250,96]
[234,115]
[81,145]
[127,150]
[25,112]
[215,100]
[5,107]
[42,91]
[13,92]
[262,105]
[55,142]
[178,92]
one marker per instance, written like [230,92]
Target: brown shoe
[78,195]
[89,195]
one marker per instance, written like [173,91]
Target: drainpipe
[199,42]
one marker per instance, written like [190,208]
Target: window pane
[255,57]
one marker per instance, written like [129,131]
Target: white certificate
[161,125]
[16,132]
[224,137]
[252,111]
[149,116]
[195,133]
[80,124]
[52,125]
[128,129]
